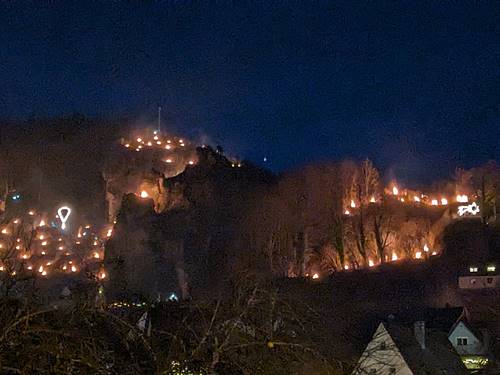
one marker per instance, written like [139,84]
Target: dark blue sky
[413,85]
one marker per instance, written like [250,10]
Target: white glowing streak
[472,209]
[395,190]
[64,217]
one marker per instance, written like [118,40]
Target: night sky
[413,85]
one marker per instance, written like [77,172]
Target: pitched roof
[438,357]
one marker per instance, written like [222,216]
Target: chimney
[419,330]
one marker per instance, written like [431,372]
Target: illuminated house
[480,276]
[399,350]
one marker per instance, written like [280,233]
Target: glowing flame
[347,212]
[395,190]
[44,243]
[40,269]
[31,213]
[346,267]
[434,202]
[418,255]
[127,145]
[102,275]
[4,231]
[462,198]
[139,140]
[416,199]
[315,276]
[426,248]
[42,223]
[370,263]
[394,257]
[168,161]
[44,273]
[1,268]
[353,204]
[110,232]
[372,200]
[191,162]
[444,201]
[96,255]
[434,253]
[73,269]
[41,237]
[144,194]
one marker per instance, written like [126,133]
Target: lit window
[461,341]
[491,268]
[473,269]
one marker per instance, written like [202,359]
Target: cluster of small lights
[51,250]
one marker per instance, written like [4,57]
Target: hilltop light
[144,194]
[63,213]
[395,190]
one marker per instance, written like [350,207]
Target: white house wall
[473,347]
[374,358]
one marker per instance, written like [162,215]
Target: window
[461,341]
[491,268]
[473,269]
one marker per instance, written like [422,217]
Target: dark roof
[438,357]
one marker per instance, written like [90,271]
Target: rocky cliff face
[186,247]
